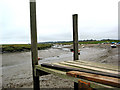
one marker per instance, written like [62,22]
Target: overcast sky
[97,19]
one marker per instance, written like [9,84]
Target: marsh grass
[91,42]
[22,47]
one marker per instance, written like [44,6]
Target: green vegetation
[27,47]
[22,47]
[90,42]
[99,42]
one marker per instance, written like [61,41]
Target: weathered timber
[75,36]
[96,65]
[90,67]
[34,52]
[65,68]
[106,66]
[75,39]
[60,63]
[115,82]
[62,74]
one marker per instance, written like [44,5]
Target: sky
[97,19]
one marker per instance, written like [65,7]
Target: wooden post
[75,86]
[75,36]
[34,51]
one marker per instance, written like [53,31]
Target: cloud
[97,19]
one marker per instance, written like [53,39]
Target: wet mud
[17,68]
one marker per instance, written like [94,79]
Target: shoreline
[27,47]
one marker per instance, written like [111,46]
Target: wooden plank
[34,52]
[65,68]
[75,36]
[91,68]
[115,82]
[97,65]
[62,74]
[112,67]
[70,66]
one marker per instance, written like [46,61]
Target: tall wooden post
[75,36]
[34,51]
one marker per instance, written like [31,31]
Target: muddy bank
[102,53]
[17,69]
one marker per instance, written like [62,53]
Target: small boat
[113,46]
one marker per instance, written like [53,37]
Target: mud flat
[17,69]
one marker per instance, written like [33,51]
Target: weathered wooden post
[75,42]
[34,51]
[75,36]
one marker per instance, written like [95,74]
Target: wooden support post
[75,86]
[75,36]
[83,85]
[34,51]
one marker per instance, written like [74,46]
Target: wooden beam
[90,67]
[67,68]
[75,36]
[34,51]
[115,82]
[97,65]
[62,74]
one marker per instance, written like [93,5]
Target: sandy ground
[17,69]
